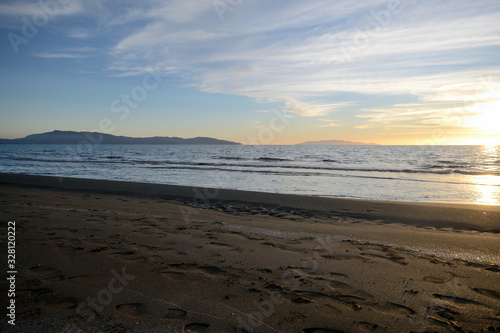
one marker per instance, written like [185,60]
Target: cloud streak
[59,55]
[17,9]
[299,56]
[305,54]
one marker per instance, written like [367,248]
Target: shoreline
[484,218]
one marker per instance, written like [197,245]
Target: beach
[110,256]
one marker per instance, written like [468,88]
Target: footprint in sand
[39,293]
[47,274]
[437,279]
[334,284]
[174,314]
[195,328]
[284,247]
[130,256]
[29,284]
[175,276]
[28,314]
[440,278]
[343,257]
[489,293]
[55,303]
[390,256]
[301,300]
[396,308]
[444,312]
[176,271]
[131,310]
[450,325]
[226,246]
[364,326]
[67,250]
[320,330]
[113,328]
[98,324]
[456,300]
[99,249]
[339,275]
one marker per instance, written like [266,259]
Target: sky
[253,71]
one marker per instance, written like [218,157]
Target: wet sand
[100,256]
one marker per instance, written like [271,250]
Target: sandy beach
[104,256]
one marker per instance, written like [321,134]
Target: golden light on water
[487,188]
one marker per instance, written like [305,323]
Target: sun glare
[490,142]
[488,118]
[487,190]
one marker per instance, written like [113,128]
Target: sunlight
[491,143]
[491,150]
[487,190]
[486,141]
[488,117]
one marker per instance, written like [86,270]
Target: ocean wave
[275,166]
[440,166]
[272,159]
[313,174]
[229,158]
[60,160]
[451,162]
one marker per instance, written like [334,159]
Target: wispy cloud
[30,8]
[59,55]
[326,123]
[312,109]
[79,33]
[448,99]
[297,54]
[302,54]
[70,53]
[157,36]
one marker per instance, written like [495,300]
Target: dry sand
[97,256]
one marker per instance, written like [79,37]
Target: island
[71,137]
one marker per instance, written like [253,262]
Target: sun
[487,118]
[491,142]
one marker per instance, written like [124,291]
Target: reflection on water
[487,188]
[491,153]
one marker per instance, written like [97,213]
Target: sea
[459,174]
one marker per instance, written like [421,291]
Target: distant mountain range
[70,137]
[335,143]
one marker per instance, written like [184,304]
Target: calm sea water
[466,174]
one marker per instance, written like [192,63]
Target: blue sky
[252,71]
